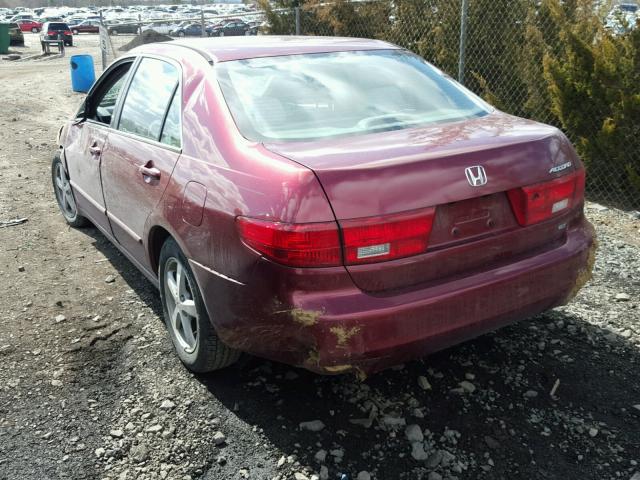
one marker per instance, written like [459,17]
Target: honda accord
[337,204]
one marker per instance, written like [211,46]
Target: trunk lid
[397,171]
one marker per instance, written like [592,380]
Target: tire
[75,32]
[64,195]
[222,34]
[181,34]
[202,351]
[34,30]
[113,32]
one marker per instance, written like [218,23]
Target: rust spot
[306,318]
[586,273]
[344,334]
[313,358]
[338,368]
[360,374]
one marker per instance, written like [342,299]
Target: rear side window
[172,125]
[151,90]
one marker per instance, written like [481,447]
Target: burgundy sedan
[87,26]
[29,26]
[336,204]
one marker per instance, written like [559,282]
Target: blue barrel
[82,73]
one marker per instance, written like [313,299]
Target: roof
[222,49]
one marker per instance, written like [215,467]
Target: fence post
[463,40]
[297,12]
[204,29]
[104,35]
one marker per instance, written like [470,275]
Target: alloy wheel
[181,305]
[64,194]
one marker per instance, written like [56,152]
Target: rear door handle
[95,150]
[148,171]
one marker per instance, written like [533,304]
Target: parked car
[230,29]
[87,26]
[119,28]
[44,20]
[21,16]
[15,34]
[190,30]
[159,27]
[627,7]
[337,204]
[29,26]
[55,31]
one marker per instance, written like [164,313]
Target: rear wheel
[181,34]
[193,337]
[34,30]
[222,34]
[64,195]
[75,32]
[114,32]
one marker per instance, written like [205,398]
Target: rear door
[86,139]
[139,158]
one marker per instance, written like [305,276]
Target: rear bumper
[318,319]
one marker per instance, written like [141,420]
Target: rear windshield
[58,26]
[313,96]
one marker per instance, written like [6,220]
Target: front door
[138,160]
[86,140]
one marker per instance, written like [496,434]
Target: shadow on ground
[509,427]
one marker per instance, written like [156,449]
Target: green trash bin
[4,38]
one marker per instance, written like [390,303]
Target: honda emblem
[476,176]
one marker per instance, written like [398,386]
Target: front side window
[103,102]
[147,100]
[312,96]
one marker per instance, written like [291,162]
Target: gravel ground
[90,387]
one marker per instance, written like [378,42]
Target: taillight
[378,239]
[52,33]
[364,240]
[296,245]
[539,202]
[68,32]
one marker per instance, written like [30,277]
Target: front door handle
[148,172]
[95,150]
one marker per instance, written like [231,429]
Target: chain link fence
[123,36]
[551,61]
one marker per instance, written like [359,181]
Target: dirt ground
[90,387]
